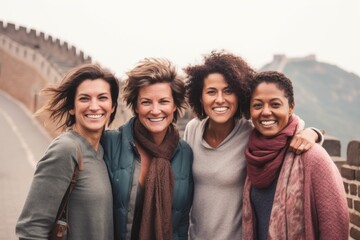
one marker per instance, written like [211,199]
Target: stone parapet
[33,58]
[56,51]
[350,172]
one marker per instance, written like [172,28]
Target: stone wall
[59,53]
[19,80]
[31,60]
[350,172]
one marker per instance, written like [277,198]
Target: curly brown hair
[236,72]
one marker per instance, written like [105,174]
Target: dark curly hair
[236,72]
[279,79]
[62,96]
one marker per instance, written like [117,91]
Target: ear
[72,112]
[291,110]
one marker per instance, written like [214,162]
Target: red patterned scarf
[265,155]
[287,214]
[156,222]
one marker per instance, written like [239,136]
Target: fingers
[302,148]
[299,145]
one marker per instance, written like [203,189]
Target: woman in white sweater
[218,137]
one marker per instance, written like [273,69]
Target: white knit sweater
[219,175]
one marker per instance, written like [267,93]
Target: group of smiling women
[245,168]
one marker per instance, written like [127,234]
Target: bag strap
[62,212]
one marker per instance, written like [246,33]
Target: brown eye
[276,104]
[164,102]
[83,99]
[228,91]
[211,92]
[257,106]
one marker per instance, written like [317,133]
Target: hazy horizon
[117,35]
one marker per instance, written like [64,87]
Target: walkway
[22,143]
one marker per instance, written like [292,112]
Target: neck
[215,133]
[92,137]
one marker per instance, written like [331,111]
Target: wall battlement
[350,172]
[282,57]
[58,52]
[29,60]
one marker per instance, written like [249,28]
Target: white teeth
[267,122]
[220,109]
[156,119]
[94,116]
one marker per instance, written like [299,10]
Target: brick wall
[350,172]
[26,67]
[29,61]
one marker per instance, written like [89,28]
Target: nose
[219,98]
[155,109]
[266,110]
[94,105]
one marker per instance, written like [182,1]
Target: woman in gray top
[83,104]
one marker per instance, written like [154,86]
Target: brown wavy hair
[62,96]
[150,71]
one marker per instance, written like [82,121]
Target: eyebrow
[100,94]
[272,99]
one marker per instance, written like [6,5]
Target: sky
[119,33]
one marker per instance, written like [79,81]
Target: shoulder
[115,136]
[183,152]
[182,159]
[193,130]
[193,124]
[63,144]
[243,128]
[246,125]
[111,135]
[61,152]
[316,156]
[184,146]
[318,163]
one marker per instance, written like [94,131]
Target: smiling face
[219,101]
[269,109]
[155,109]
[92,107]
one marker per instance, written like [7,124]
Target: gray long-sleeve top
[90,205]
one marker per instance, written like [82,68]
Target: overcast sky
[118,33]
